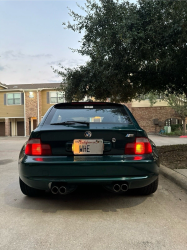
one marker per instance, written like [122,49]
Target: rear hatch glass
[107,124]
[91,114]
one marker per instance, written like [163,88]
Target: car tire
[26,190]
[150,189]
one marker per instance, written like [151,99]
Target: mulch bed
[173,156]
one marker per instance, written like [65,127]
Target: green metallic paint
[38,172]
[113,166]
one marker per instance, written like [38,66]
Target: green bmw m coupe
[88,143]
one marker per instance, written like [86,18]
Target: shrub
[177,132]
[176,127]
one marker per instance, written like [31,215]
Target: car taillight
[139,147]
[35,147]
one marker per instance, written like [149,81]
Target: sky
[33,39]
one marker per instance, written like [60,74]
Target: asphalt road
[89,218]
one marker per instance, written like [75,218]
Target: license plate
[87,147]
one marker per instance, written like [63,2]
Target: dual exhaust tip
[61,190]
[123,187]
[116,188]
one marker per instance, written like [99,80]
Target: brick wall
[30,108]
[40,106]
[145,116]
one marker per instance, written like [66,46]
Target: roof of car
[87,104]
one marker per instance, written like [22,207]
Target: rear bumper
[40,172]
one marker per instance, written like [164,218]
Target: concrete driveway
[90,218]
[162,140]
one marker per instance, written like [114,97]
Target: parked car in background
[88,142]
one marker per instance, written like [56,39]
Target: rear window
[91,114]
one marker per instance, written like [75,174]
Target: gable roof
[34,86]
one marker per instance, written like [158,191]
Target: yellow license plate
[87,147]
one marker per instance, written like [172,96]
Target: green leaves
[133,49]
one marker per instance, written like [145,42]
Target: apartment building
[145,114]
[23,106]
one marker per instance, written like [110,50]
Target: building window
[57,97]
[13,98]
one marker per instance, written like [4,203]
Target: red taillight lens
[46,149]
[141,146]
[35,147]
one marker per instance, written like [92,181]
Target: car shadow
[89,197]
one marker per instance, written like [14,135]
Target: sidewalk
[178,176]
[164,140]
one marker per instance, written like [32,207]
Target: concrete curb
[175,177]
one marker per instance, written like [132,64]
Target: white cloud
[10,54]
[69,63]
[22,68]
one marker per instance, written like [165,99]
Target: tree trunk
[184,125]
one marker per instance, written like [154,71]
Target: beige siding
[1,87]
[45,105]
[146,103]
[10,111]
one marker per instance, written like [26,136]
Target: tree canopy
[133,49]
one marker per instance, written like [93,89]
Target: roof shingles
[34,86]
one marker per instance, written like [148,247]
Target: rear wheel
[26,190]
[150,189]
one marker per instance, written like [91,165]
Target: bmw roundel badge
[88,134]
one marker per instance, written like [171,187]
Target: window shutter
[47,97]
[4,99]
[22,98]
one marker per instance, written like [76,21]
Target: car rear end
[80,143]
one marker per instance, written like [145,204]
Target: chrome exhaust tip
[62,190]
[54,190]
[116,188]
[124,187]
